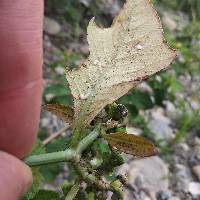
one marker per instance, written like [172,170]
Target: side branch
[62,156]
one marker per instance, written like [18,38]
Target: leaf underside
[129,51]
[66,113]
[131,144]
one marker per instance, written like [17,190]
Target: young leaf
[120,56]
[131,144]
[64,112]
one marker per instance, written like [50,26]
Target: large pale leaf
[131,144]
[120,56]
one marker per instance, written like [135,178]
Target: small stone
[158,78]
[163,195]
[49,97]
[185,80]
[51,26]
[86,3]
[60,70]
[133,130]
[171,111]
[169,22]
[194,188]
[85,49]
[44,122]
[159,114]
[196,171]
[195,104]
[144,87]
[184,147]
[184,176]
[150,174]
[174,198]
[197,141]
[161,130]
[144,196]
[180,57]
[175,20]
[197,151]
[159,124]
[110,7]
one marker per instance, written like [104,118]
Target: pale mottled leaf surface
[66,113]
[131,144]
[120,56]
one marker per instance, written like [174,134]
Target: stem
[73,192]
[91,196]
[62,156]
[91,178]
[85,142]
[49,158]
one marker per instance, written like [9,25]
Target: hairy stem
[62,156]
[85,142]
[48,158]
[92,179]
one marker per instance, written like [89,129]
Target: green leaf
[175,85]
[131,144]
[57,93]
[39,148]
[63,112]
[137,100]
[49,172]
[101,149]
[59,144]
[46,195]
[37,176]
[91,196]
[111,159]
[56,89]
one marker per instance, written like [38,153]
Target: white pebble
[60,70]
[194,188]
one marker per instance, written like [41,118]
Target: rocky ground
[174,175]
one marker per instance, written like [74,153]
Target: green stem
[75,138]
[48,158]
[62,156]
[91,196]
[73,192]
[85,142]
[92,179]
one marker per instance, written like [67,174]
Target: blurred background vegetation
[173,95]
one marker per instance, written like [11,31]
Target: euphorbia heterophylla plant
[121,56]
